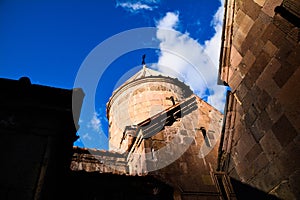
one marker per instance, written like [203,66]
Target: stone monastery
[164,141]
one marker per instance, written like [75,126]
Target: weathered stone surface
[235,57]
[284,73]
[260,138]
[182,147]
[283,189]
[270,48]
[265,80]
[250,116]
[259,65]
[260,2]
[254,12]
[267,95]
[254,152]
[294,180]
[247,62]
[144,95]
[257,46]
[269,7]
[290,101]
[266,178]
[270,145]
[263,99]
[284,131]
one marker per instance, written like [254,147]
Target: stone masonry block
[233,174]
[270,145]
[235,80]
[263,122]
[259,65]
[270,5]
[290,100]
[265,80]
[267,178]
[293,35]
[274,110]
[255,91]
[285,48]
[254,152]
[256,31]
[273,34]
[288,161]
[235,57]
[295,182]
[248,101]
[256,131]
[238,132]
[257,46]
[294,56]
[260,2]
[247,62]
[259,163]
[238,39]
[283,190]
[239,16]
[263,99]
[245,144]
[284,131]
[251,9]
[270,48]
[248,81]
[244,170]
[250,116]
[241,91]
[246,25]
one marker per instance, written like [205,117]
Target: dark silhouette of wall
[37,134]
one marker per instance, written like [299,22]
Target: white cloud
[91,133]
[136,6]
[95,123]
[212,48]
[169,21]
[191,62]
[86,136]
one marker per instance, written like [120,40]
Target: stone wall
[107,186]
[37,133]
[139,100]
[101,161]
[260,62]
[183,154]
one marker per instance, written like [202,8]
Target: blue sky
[48,41]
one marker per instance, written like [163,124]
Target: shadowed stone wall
[37,133]
[101,161]
[260,62]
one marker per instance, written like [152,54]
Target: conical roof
[144,72]
[146,76]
